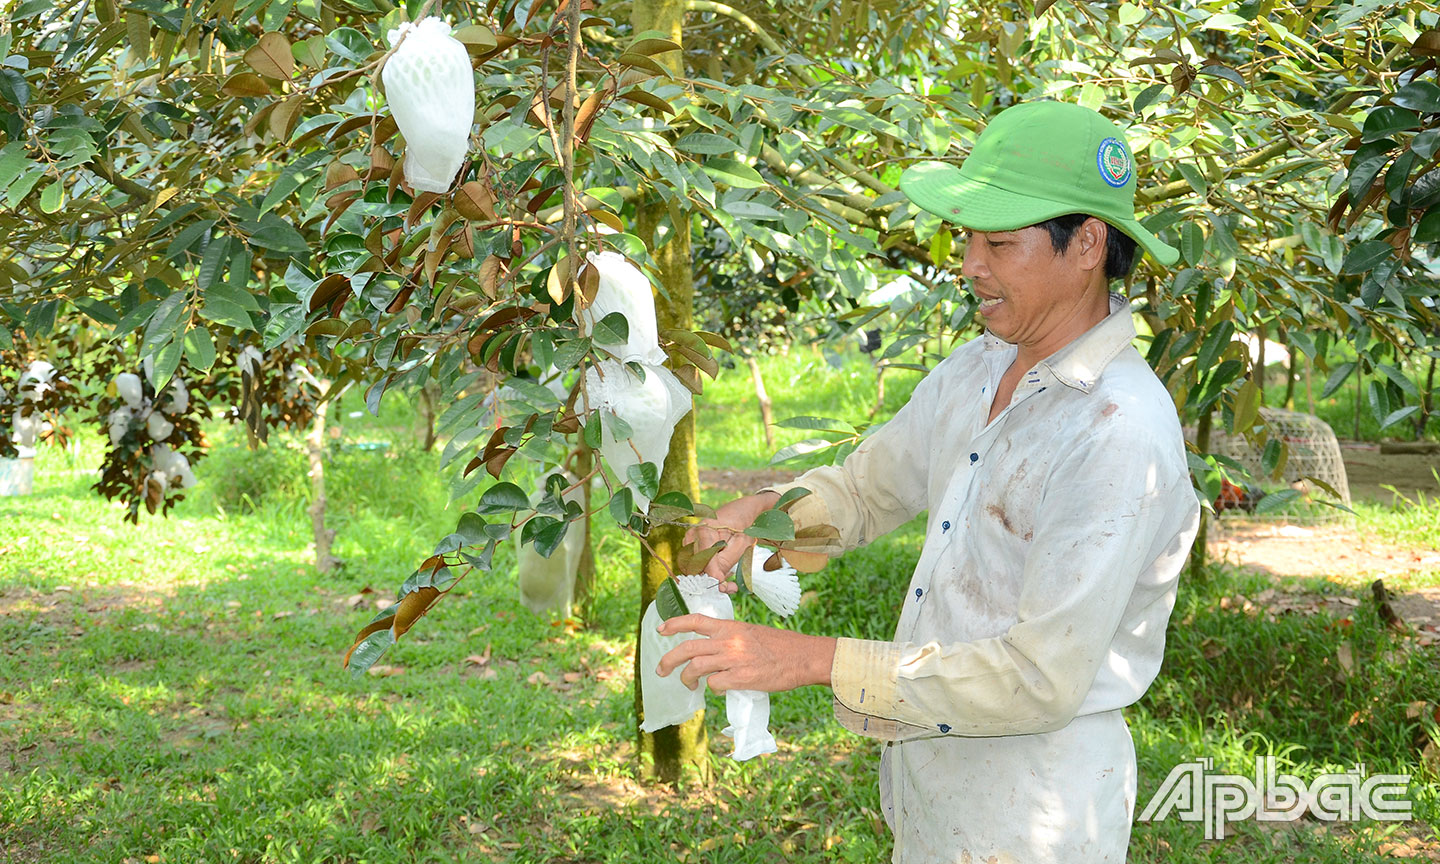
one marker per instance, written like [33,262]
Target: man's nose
[974,266]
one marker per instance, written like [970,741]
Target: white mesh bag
[746,711]
[780,588]
[624,289]
[548,584]
[650,407]
[667,701]
[430,86]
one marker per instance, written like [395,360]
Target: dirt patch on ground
[1369,471]
[1336,551]
[743,481]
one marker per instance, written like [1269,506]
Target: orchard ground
[173,692]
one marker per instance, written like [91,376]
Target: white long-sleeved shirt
[1055,537]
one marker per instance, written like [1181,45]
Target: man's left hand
[742,656]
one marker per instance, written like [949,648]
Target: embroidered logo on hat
[1114,162]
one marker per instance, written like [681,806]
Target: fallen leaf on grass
[278,615]
[572,677]
[1346,658]
[386,671]
[538,678]
[479,659]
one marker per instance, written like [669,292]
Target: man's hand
[741,656]
[728,527]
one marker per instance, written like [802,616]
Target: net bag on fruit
[430,86]
[667,701]
[650,405]
[624,289]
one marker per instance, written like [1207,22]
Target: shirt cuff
[864,674]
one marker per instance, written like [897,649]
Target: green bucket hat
[1034,162]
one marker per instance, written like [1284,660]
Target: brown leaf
[805,562]
[539,678]
[585,117]
[365,633]
[572,677]
[271,56]
[284,118]
[693,560]
[337,174]
[479,659]
[648,99]
[475,201]
[412,606]
[327,289]
[1346,658]
[1041,6]
[245,84]
[383,671]
[495,464]
[1427,44]
[605,217]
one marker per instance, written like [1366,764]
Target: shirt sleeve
[882,485]
[1098,523]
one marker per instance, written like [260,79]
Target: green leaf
[285,321]
[793,494]
[1224,72]
[1148,96]
[279,237]
[1192,243]
[733,173]
[668,602]
[800,448]
[645,478]
[370,650]
[503,498]
[167,360]
[14,88]
[53,198]
[199,349]
[822,424]
[622,504]
[1275,500]
[772,525]
[1400,378]
[1397,415]
[1337,377]
[1387,120]
[940,246]
[752,210]
[1419,96]
[349,43]
[1366,165]
[707,143]
[569,354]
[545,532]
[1364,256]
[613,329]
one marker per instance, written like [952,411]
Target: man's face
[1029,294]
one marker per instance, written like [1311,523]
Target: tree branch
[1180,187]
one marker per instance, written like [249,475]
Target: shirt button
[974,457]
[945,526]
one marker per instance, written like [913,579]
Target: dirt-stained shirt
[1055,537]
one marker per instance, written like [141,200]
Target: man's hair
[1119,247]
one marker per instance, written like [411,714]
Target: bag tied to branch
[430,86]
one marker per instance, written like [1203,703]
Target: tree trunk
[1289,402]
[1427,397]
[675,751]
[428,397]
[585,573]
[315,448]
[1359,398]
[1260,362]
[767,417]
[1198,551]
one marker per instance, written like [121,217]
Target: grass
[173,690]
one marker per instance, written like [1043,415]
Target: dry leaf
[572,677]
[1347,658]
[382,671]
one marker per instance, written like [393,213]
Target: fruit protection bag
[746,711]
[624,289]
[650,407]
[430,86]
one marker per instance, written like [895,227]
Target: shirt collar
[1080,363]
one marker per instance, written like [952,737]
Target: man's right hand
[728,527]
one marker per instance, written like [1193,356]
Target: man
[1060,509]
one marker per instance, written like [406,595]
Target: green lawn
[173,692]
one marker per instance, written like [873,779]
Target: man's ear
[1091,242]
